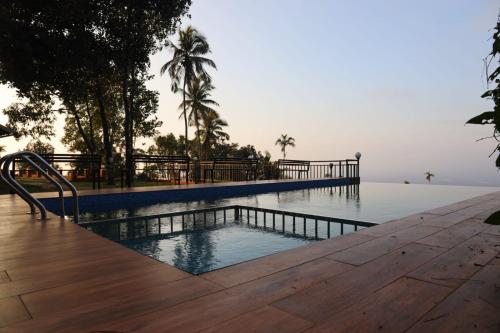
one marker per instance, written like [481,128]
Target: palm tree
[428,176]
[212,130]
[199,102]
[284,140]
[187,62]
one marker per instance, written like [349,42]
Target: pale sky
[395,80]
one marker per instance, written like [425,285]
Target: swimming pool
[202,249]
[373,202]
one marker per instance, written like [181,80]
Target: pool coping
[181,193]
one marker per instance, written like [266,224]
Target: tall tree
[284,141]
[492,78]
[187,62]
[200,104]
[93,45]
[212,131]
[428,176]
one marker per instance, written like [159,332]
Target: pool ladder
[45,169]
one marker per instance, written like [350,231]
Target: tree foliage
[493,79]
[284,141]
[75,50]
[187,63]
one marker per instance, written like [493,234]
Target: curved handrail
[31,158]
[51,180]
[4,170]
[56,173]
[19,189]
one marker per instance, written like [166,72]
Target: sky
[395,80]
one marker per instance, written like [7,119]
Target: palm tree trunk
[197,132]
[185,117]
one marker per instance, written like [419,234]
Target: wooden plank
[460,263]
[250,270]
[4,277]
[12,311]
[264,320]
[448,220]
[493,230]
[474,307]
[455,234]
[396,225]
[91,317]
[108,287]
[71,275]
[217,308]
[119,261]
[370,250]
[276,286]
[393,308]
[333,295]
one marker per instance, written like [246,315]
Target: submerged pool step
[294,224]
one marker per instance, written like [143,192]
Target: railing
[45,169]
[271,170]
[289,223]
[78,167]
[324,169]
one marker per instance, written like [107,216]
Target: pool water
[371,202]
[201,251]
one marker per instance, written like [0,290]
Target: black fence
[169,168]
[182,169]
[75,167]
[289,223]
[154,168]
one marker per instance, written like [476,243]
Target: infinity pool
[372,202]
[205,249]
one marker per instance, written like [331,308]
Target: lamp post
[197,170]
[358,156]
[251,157]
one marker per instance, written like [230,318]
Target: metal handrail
[49,178]
[28,157]
[4,175]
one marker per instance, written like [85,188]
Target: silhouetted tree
[71,50]
[212,131]
[187,62]
[164,145]
[284,140]
[492,117]
[200,104]
[428,176]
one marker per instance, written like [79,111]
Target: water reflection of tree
[153,249]
[196,254]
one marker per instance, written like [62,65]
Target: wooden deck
[438,271]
